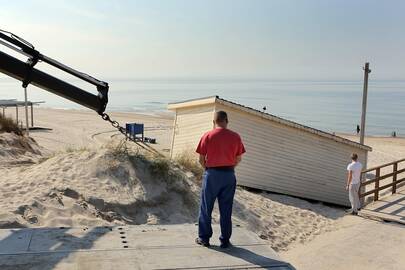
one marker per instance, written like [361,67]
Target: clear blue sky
[303,40]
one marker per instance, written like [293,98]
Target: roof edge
[294,124]
[192,102]
[271,117]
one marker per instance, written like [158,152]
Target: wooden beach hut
[282,156]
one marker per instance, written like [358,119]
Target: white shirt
[356,168]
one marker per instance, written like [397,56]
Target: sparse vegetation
[188,161]
[7,124]
[71,149]
[118,150]
[159,167]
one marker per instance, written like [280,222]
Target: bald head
[221,119]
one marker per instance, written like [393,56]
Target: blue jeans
[219,184]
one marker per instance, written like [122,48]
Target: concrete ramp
[130,247]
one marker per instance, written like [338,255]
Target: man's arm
[349,179]
[238,160]
[202,160]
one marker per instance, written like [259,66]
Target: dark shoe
[354,213]
[225,244]
[201,242]
[350,212]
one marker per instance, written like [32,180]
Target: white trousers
[354,196]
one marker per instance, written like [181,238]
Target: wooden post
[4,112]
[16,114]
[173,135]
[364,105]
[377,184]
[26,111]
[32,116]
[394,178]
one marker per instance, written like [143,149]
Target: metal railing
[378,177]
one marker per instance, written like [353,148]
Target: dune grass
[7,124]
[188,161]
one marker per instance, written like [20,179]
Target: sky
[250,39]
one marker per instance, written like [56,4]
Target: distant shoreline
[343,134]
[169,114]
[157,113]
[329,106]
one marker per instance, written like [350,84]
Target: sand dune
[77,176]
[87,187]
[16,150]
[109,185]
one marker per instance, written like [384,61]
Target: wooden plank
[394,178]
[387,217]
[384,165]
[377,184]
[381,188]
[365,183]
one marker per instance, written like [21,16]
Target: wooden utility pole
[364,106]
[32,115]
[27,127]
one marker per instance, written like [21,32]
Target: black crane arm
[26,73]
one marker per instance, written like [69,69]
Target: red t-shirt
[220,147]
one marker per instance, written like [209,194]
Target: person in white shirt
[353,183]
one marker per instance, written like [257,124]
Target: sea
[332,106]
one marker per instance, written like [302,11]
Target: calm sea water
[330,106]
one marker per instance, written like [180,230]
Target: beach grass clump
[159,167]
[118,150]
[188,161]
[7,124]
[72,149]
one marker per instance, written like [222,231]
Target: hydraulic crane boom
[26,73]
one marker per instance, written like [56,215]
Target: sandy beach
[77,173]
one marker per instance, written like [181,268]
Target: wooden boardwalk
[384,192]
[389,208]
[131,247]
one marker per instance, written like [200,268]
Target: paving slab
[131,247]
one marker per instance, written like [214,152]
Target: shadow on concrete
[253,258]
[45,252]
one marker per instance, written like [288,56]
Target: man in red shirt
[220,151]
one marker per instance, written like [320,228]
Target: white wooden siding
[291,161]
[190,124]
